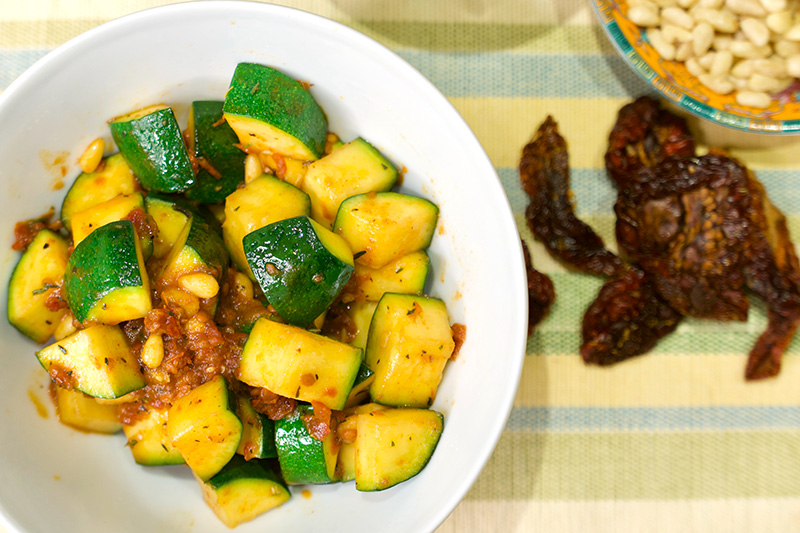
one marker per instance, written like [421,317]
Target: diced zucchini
[258,432]
[170,216]
[106,280]
[394,445]
[117,208]
[198,248]
[355,168]
[296,363]
[360,391]
[269,111]
[346,462]
[220,163]
[382,227]
[301,267]
[97,360]
[242,490]
[285,168]
[113,177]
[404,275]
[85,413]
[149,442]
[151,142]
[303,458]
[39,271]
[261,202]
[204,428]
[410,342]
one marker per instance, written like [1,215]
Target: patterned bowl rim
[603,9]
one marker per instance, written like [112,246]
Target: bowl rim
[623,46]
[506,397]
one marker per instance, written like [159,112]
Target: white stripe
[738,515]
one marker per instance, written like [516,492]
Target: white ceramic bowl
[55,478]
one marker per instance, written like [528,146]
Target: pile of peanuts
[751,47]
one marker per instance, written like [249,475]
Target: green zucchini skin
[109,259]
[153,146]
[215,142]
[258,432]
[243,490]
[268,96]
[299,274]
[39,270]
[303,458]
[92,188]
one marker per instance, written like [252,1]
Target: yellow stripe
[586,123]
[506,11]
[653,381]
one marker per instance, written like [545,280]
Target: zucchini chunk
[263,201]
[300,265]
[285,168]
[271,112]
[258,432]
[242,490]
[204,428]
[39,271]
[117,208]
[96,360]
[114,177]
[382,227]
[406,275]
[409,344]
[355,168]
[149,442]
[170,217]
[299,364]
[198,248]
[303,458]
[106,280]
[83,412]
[394,445]
[151,142]
[220,163]
[360,391]
[347,429]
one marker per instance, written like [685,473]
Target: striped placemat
[674,441]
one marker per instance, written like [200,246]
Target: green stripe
[597,466]
[430,36]
[560,333]
[42,33]
[467,37]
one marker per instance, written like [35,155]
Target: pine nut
[200,284]
[707,60]
[702,37]
[675,34]
[686,4]
[786,48]
[153,351]
[644,16]
[755,30]
[760,83]
[793,34]
[779,22]
[774,67]
[678,17]
[694,68]
[252,168]
[753,99]
[774,6]
[179,298]
[722,63]
[243,285]
[711,4]
[746,7]
[683,52]
[65,327]
[718,84]
[722,42]
[793,65]
[91,157]
[722,20]
[747,50]
[664,49]
[744,68]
